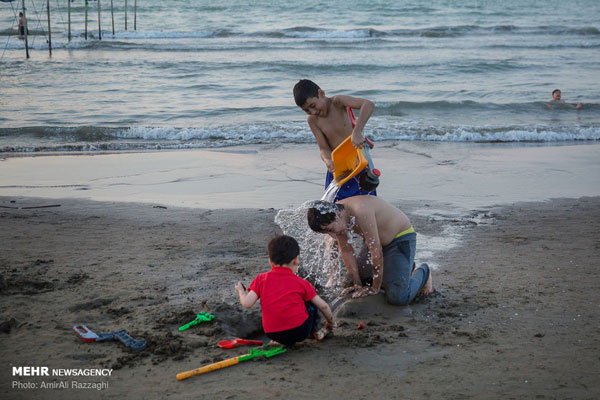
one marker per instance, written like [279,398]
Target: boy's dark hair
[554,91]
[322,213]
[303,90]
[283,249]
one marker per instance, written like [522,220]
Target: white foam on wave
[514,135]
[163,35]
[330,34]
[429,247]
[390,129]
[260,132]
[297,131]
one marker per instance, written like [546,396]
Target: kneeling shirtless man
[390,239]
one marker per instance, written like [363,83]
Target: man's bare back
[372,210]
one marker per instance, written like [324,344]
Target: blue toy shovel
[88,335]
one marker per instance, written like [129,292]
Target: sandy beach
[149,150]
[457,176]
[515,313]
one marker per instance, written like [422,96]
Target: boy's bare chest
[336,127]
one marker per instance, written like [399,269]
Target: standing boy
[390,239]
[329,121]
[287,301]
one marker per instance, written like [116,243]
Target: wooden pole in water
[86,4]
[99,25]
[49,30]
[125,14]
[112,13]
[25,31]
[69,18]
[135,15]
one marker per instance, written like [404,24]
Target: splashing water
[319,258]
[331,191]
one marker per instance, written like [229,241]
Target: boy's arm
[349,260]
[367,224]
[366,109]
[322,142]
[247,299]
[324,308]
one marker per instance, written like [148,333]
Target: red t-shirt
[282,295]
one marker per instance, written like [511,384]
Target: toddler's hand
[240,287]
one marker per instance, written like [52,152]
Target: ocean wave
[544,46]
[306,32]
[401,108]
[46,139]
[460,30]
[490,134]
[309,32]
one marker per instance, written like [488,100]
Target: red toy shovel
[231,343]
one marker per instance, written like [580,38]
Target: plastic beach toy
[267,353]
[349,161]
[231,343]
[88,335]
[202,317]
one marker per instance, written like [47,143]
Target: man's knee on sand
[397,296]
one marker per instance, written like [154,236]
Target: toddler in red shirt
[287,301]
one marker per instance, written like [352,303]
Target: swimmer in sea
[557,102]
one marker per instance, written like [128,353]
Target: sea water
[199,74]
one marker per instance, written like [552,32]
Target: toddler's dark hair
[283,249]
[303,90]
[322,213]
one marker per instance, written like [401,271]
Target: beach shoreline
[459,176]
[510,312]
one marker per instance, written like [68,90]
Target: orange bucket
[348,161]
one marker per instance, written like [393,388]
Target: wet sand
[462,176]
[515,314]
